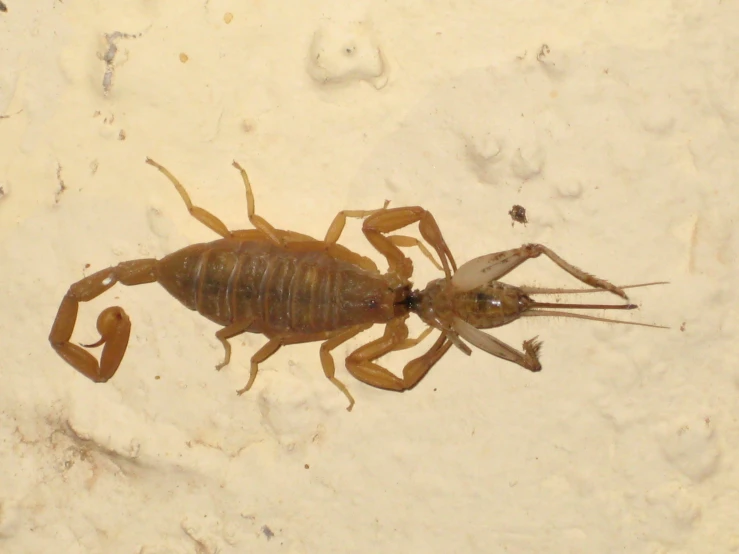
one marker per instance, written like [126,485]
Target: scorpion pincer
[293,289]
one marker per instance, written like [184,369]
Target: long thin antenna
[535,290]
[557,305]
[553,313]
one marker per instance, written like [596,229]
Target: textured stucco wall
[615,124]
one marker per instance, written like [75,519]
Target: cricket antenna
[552,309]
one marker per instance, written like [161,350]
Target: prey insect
[294,289]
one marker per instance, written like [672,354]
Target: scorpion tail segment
[528,359]
[114,327]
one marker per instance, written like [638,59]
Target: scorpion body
[293,288]
[277,291]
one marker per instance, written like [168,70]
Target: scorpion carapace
[293,288]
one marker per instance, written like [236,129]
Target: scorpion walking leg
[339,222]
[333,339]
[410,343]
[112,323]
[261,355]
[378,225]
[334,232]
[337,225]
[203,216]
[228,332]
[327,361]
[405,241]
[258,221]
[494,266]
[329,243]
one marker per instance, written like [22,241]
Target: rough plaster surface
[615,124]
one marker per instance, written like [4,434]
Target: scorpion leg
[488,268]
[258,221]
[415,370]
[203,216]
[327,361]
[339,222]
[112,324]
[410,343]
[337,225]
[332,340]
[266,351]
[329,244]
[360,363]
[404,241]
[272,346]
[376,226]
[228,332]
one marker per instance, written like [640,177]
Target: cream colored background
[622,141]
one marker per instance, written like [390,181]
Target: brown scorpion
[294,289]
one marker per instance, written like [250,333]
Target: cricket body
[293,289]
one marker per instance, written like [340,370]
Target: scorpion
[293,289]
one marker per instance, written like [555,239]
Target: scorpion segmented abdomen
[201,276]
[280,291]
[312,298]
[288,292]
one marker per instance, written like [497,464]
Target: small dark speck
[306,466]
[267,532]
[543,51]
[518,215]
[3,7]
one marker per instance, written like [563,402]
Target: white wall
[615,124]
